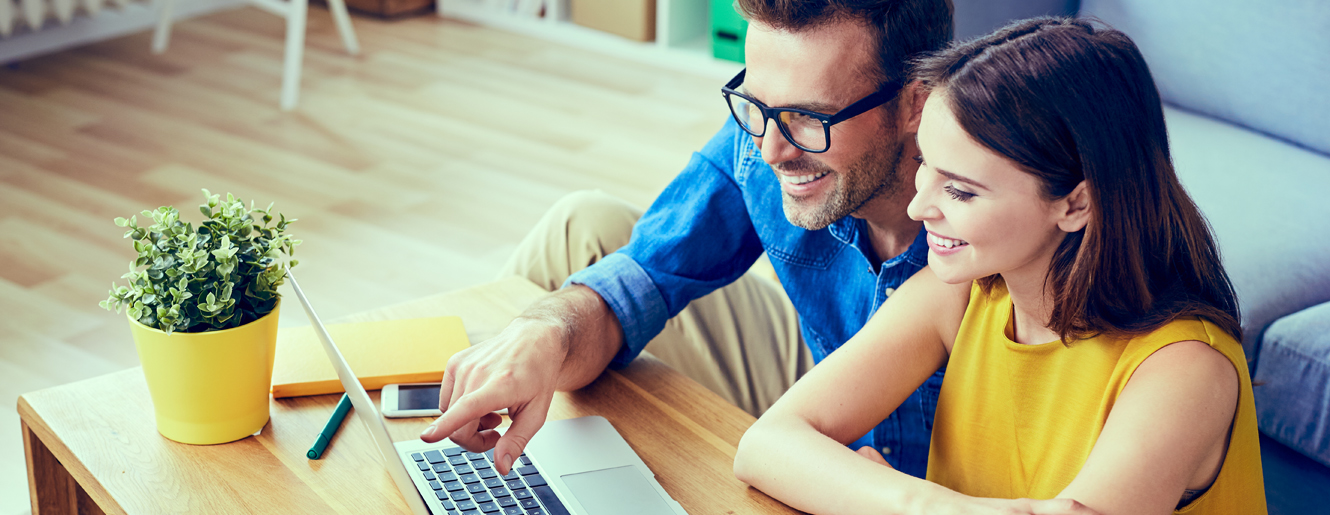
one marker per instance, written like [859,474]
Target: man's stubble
[876,173]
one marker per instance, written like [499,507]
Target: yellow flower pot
[211,387]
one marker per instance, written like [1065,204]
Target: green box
[728,29]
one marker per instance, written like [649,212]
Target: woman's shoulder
[939,302]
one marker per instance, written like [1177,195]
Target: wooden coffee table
[93,447]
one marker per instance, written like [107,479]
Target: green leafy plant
[223,275]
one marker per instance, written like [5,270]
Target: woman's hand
[999,506]
[873,456]
[985,506]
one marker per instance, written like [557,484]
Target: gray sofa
[1247,92]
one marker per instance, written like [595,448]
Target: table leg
[53,491]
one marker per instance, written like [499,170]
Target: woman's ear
[1074,209]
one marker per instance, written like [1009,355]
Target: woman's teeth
[803,179]
[944,242]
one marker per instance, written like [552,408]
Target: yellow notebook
[413,350]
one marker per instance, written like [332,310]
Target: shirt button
[886,451]
[890,291]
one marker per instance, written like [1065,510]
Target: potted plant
[203,305]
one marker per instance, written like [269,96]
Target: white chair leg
[295,50]
[64,10]
[338,8]
[7,17]
[162,36]
[92,7]
[34,12]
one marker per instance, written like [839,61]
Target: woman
[1073,292]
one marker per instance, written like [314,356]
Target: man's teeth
[803,179]
[944,242]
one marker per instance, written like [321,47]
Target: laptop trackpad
[616,491]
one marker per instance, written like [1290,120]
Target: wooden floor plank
[414,168]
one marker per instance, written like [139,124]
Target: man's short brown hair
[903,28]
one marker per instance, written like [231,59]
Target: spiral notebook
[413,350]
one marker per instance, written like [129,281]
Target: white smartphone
[410,400]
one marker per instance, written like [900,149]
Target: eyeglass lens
[806,131]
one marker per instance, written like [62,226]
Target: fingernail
[428,430]
[508,461]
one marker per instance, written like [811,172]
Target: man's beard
[873,175]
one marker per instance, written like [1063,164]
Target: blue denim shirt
[711,224]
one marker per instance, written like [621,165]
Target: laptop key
[442,495]
[500,492]
[511,475]
[454,486]
[482,497]
[440,467]
[490,454]
[535,480]
[458,460]
[463,469]
[516,484]
[522,494]
[525,460]
[471,512]
[470,478]
[494,483]
[453,451]
[466,505]
[512,510]
[487,473]
[489,507]
[526,471]
[447,476]
[475,488]
[529,504]
[507,502]
[424,467]
[448,505]
[553,505]
[473,456]
[461,495]
[536,511]
[417,456]
[480,464]
[432,456]
[429,475]
[434,485]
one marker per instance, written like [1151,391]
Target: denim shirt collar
[850,231]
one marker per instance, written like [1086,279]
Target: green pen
[330,428]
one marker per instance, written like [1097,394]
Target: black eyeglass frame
[861,106]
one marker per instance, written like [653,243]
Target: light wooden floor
[414,168]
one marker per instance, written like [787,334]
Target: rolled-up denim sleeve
[695,238]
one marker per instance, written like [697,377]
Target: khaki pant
[741,341]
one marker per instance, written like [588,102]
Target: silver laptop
[580,466]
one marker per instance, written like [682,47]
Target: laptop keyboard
[467,484]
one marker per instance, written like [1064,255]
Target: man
[814,168]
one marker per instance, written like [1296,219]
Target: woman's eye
[918,159]
[961,195]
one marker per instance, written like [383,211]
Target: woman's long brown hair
[1068,100]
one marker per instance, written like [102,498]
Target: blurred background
[417,151]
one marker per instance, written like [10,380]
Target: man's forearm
[586,328]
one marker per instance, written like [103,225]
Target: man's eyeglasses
[808,130]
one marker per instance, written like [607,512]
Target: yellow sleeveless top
[1019,420]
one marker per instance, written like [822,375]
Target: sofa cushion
[1293,399]
[1269,205]
[1263,65]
